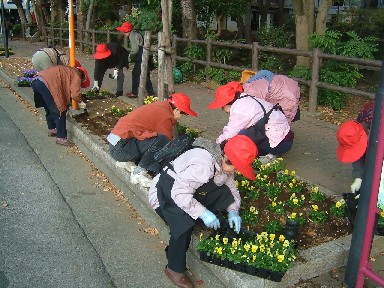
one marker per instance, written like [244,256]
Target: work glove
[210,220]
[95,86]
[114,75]
[356,185]
[234,220]
[82,105]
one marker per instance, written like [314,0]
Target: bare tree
[189,19]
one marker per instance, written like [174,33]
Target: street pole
[71,22]
[361,228]
[5,30]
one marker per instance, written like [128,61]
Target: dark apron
[210,195]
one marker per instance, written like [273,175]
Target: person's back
[146,121]
[48,57]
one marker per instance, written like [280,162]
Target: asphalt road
[58,226]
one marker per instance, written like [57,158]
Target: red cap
[84,82]
[77,63]
[242,151]
[182,102]
[102,51]
[125,27]
[353,141]
[225,94]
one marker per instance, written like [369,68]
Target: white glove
[95,85]
[356,185]
[82,105]
[115,73]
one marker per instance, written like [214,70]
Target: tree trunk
[263,10]
[304,19]
[302,33]
[40,21]
[240,26]
[129,7]
[322,14]
[88,21]
[80,21]
[280,15]
[247,22]
[189,19]
[55,11]
[20,10]
[220,24]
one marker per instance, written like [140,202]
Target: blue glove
[234,220]
[210,220]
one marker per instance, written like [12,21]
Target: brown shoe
[179,279]
[131,95]
[52,132]
[64,142]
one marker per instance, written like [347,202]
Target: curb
[312,262]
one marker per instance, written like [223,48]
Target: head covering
[225,94]
[102,51]
[182,102]
[352,140]
[86,81]
[242,151]
[77,63]
[125,27]
[366,113]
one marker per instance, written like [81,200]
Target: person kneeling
[197,184]
[139,135]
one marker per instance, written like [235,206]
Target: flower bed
[23,81]
[277,195]
[264,255]
[285,214]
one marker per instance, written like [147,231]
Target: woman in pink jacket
[196,185]
[275,137]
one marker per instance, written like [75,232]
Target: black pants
[215,198]
[177,249]
[136,72]
[54,119]
[141,151]
[120,79]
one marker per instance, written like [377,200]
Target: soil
[99,121]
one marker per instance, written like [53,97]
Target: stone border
[311,263]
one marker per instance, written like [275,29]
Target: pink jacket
[245,112]
[283,90]
[192,169]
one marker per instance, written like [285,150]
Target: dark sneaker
[131,95]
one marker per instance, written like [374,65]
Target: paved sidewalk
[312,155]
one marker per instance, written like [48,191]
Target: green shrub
[341,74]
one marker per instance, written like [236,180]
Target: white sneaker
[139,176]
[129,166]
[269,158]
[145,181]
